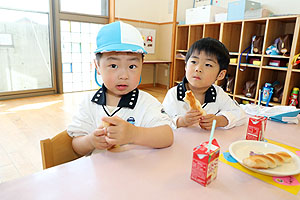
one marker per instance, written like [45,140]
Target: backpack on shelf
[250,89]
[285,44]
[229,84]
[277,92]
[256,45]
[282,45]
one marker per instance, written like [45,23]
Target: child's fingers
[99,132]
[112,120]
[111,141]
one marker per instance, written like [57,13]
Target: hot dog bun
[269,160]
[193,102]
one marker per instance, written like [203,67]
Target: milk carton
[205,164]
[256,128]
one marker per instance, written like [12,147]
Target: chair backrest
[57,150]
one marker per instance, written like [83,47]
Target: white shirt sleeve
[230,109]
[170,104]
[83,121]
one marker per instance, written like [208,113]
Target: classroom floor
[24,122]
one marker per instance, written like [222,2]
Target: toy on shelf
[296,60]
[293,101]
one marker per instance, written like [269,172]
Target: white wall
[278,7]
[145,10]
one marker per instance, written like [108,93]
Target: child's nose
[123,75]
[198,68]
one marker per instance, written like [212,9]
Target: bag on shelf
[256,45]
[282,45]
[249,89]
[285,44]
[277,92]
[230,84]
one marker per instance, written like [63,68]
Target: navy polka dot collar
[210,94]
[127,101]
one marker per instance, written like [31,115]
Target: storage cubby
[231,73]
[180,70]
[212,30]
[237,36]
[251,61]
[182,37]
[278,27]
[276,63]
[294,82]
[250,74]
[196,33]
[231,36]
[270,76]
[250,29]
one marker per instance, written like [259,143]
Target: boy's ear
[221,75]
[97,66]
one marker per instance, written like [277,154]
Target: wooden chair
[57,150]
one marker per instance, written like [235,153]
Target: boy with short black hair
[206,61]
[133,116]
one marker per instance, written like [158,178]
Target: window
[78,43]
[24,50]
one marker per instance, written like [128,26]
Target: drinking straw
[211,135]
[259,97]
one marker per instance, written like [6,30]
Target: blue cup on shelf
[267,93]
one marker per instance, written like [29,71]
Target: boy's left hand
[207,121]
[119,132]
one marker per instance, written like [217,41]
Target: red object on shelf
[253,59]
[277,63]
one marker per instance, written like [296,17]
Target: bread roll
[269,160]
[105,124]
[193,102]
[285,156]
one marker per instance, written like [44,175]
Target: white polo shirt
[216,102]
[136,107]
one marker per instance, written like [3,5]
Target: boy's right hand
[190,118]
[97,138]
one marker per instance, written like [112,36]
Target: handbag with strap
[250,89]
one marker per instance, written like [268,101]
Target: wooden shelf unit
[237,36]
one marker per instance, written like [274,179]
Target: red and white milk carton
[256,128]
[205,164]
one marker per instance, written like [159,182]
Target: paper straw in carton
[211,135]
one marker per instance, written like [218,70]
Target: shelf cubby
[182,38]
[180,70]
[196,33]
[270,76]
[212,30]
[278,27]
[248,74]
[231,36]
[250,29]
[294,82]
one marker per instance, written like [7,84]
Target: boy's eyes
[132,66]
[208,65]
[114,66]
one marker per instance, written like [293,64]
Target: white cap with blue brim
[119,37]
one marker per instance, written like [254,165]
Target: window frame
[55,16]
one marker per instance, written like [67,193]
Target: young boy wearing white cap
[133,116]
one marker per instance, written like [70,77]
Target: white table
[144,173]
